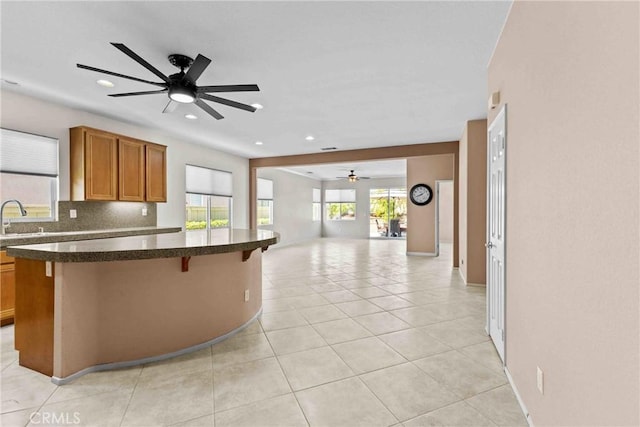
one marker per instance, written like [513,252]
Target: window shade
[208,181]
[344,195]
[265,189]
[316,195]
[26,153]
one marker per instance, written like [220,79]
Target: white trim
[479,285]
[129,363]
[422,254]
[464,279]
[525,412]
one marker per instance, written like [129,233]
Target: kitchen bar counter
[182,244]
[110,303]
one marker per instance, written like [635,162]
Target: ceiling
[374,169]
[352,74]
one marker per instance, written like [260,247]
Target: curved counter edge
[138,247]
[130,363]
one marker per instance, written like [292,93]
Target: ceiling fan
[181,87]
[352,177]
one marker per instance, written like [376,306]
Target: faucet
[23,212]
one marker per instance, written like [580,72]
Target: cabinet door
[101,166]
[7,289]
[131,170]
[156,156]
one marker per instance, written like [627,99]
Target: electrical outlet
[73,213]
[144,211]
[540,380]
[246,295]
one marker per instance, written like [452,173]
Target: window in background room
[265,201]
[340,205]
[208,198]
[317,209]
[29,173]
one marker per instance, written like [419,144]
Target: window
[316,205]
[208,198]
[265,201]
[29,173]
[340,205]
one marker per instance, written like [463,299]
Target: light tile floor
[353,332]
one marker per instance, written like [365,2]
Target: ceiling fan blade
[141,61]
[196,69]
[364,177]
[146,92]
[228,88]
[111,73]
[200,103]
[170,108]
[228,102]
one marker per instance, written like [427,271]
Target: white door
[496,151]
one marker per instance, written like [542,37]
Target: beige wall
[568,72]
[421,220]
[473,201]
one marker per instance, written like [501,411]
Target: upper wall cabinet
[156,172]
[107,166]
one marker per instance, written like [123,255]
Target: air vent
[328,148]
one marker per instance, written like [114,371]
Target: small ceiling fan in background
[352,177]
[181,87]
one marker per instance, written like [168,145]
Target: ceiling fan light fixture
[105,83]
[182,95]
[191,116]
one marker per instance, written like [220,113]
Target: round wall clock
[421,194]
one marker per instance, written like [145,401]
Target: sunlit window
[28,173]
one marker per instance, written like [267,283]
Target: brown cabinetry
[156,172]
[131,172]
[7,289]
[108,166]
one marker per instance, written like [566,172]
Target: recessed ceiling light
[190,116]
[105,83]
[11,82]
[257,106]
[258,142]
[309,138]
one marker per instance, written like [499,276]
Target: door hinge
[503,335]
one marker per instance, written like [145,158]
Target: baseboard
[520,402]
[431,254]
[479,285]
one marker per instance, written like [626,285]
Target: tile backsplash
[94,216]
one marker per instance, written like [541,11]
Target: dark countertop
[169,245]
[68,236]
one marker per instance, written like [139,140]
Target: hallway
[353,332]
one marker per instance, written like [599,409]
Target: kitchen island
[102,304]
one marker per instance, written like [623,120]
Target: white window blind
[316,195]
[25,153]
[208,181]
[335,196]
[265,189]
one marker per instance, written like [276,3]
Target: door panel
[496,232]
